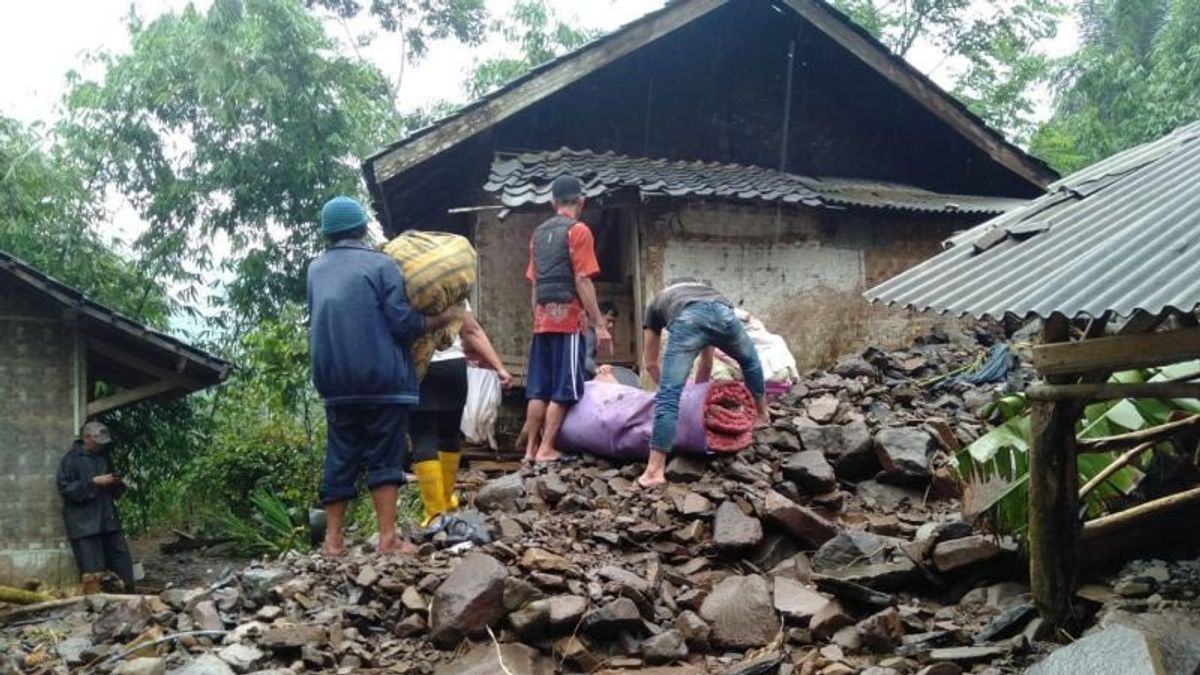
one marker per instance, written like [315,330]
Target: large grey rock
[1177,633]
[956,553]
[846,446]
[797,602]
[468,601]
[685,469]
[486,657]
[205,664]
[903,453]
[889,498]
[206,617]
[71,649]
[693,629]
[619,616]
[146,665]
[802,523]
[257,582]
[780,439]
[851,547]
[734,530]
[882,632]
[1116,650]
[811,472]
[242,658]
[666,647]
[502,494]
[741,613]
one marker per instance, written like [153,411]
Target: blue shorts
[363,439]
[556,367]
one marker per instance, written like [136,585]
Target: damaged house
[769,146]
[55,346]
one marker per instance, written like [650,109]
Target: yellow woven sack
[439,272]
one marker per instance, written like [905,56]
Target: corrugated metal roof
[1119,236]
[525,179]
[145,337]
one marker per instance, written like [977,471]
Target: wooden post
[1053,499]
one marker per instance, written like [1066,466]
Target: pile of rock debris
[832,546]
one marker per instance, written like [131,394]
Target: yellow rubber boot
[449,462]
[433,496]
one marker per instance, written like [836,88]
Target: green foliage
[266,427]
[997,46]
[230,128]
[996,465]
[539,33]
[420,21]
[273,528]
[1135,78]
[48,214]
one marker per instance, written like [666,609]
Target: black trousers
[107,551]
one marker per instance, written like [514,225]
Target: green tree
[1135,77]
[228,129]
[48,215]
[995,40]
[418,21]
[539,33]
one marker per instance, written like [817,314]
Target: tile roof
[521,179]
[1119,236]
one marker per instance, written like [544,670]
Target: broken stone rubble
[702,575]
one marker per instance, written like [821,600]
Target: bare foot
[333,552]
[399,547]
[648,480]
[762,421]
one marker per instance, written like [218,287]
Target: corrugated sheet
[142,335]
[1120,236]
[525,179]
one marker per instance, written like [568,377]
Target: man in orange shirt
[562,262]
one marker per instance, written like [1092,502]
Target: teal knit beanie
[340,214]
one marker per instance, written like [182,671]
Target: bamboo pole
[1151,435]
[1116,465]
[1108,525]
[17,596]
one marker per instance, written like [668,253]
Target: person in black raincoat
[90,487]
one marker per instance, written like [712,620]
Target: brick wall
[37,426]
[802,271]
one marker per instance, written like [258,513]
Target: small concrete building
[55,346]
[770,146]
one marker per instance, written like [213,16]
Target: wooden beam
[1053,499]
[923,90]
[1151,435]
[1107,391]
[1122,352]
[125,358]
[570,70]
[131,396]
[1110,525]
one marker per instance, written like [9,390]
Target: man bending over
[698,318]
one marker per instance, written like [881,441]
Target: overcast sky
[41,40]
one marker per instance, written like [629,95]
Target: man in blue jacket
[361,330]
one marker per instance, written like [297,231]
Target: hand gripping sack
[439,272]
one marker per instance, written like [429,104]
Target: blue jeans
[699,325]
